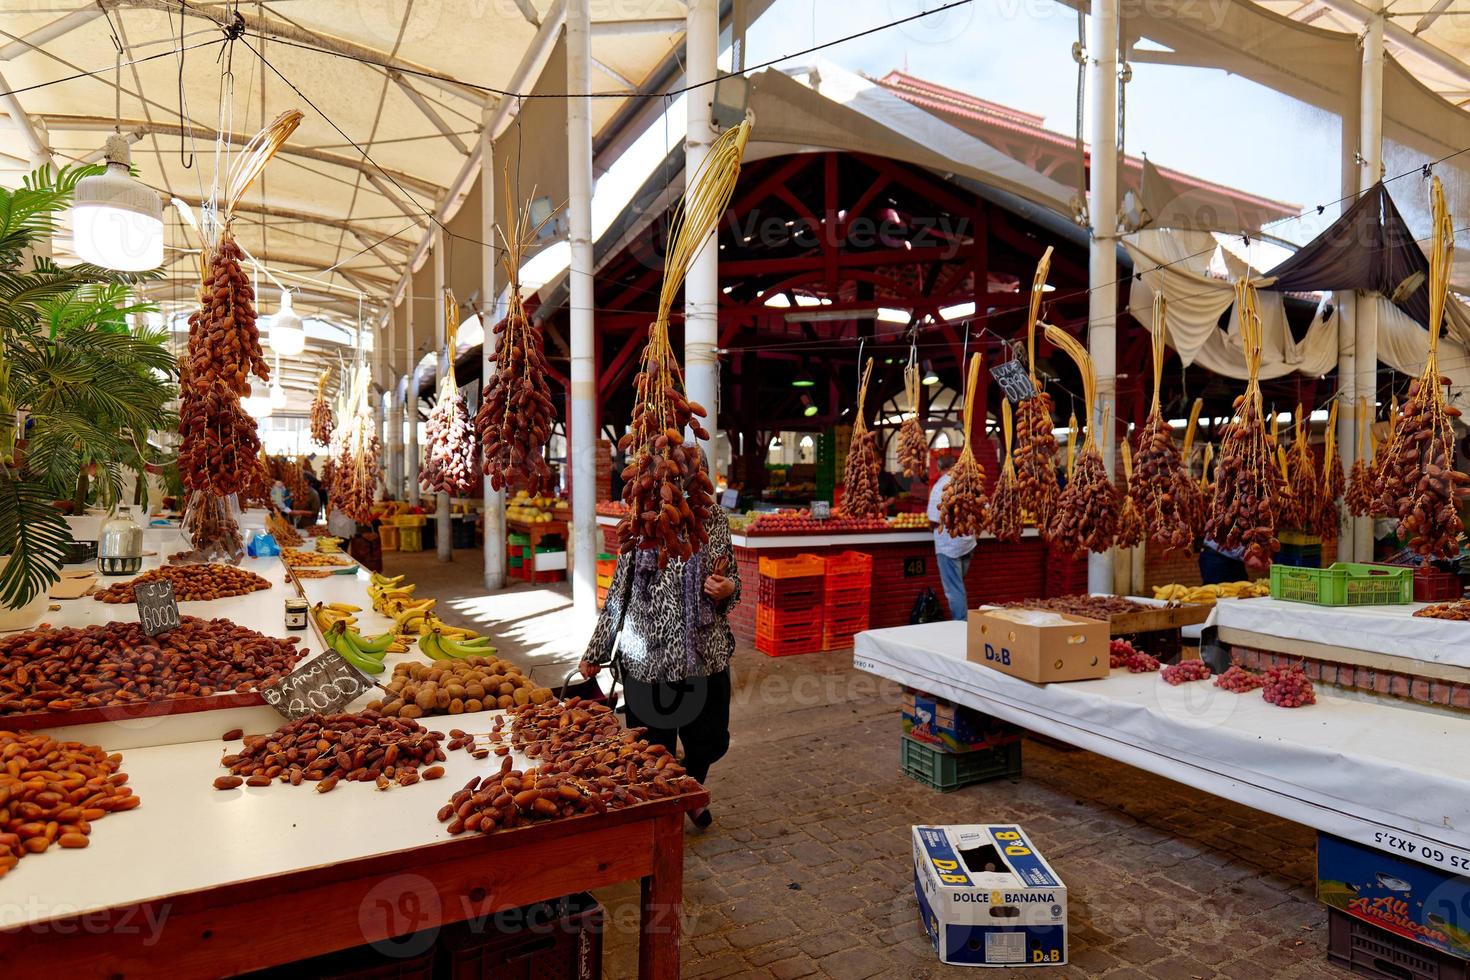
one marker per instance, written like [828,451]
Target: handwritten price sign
[158,611]
[1014,380]
[324,685]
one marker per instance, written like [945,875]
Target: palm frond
[35,536]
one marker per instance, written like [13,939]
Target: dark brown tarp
[1369,247]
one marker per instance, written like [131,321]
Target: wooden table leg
[662,905]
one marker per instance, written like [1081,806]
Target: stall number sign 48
[158,611]
[324,685]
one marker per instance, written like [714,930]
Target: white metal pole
[702,284]
[411,407]
[1370,141]
[1347,410]
[582,437]
[494,499]
[1102,259]
[443,540]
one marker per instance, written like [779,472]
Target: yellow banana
[343,607]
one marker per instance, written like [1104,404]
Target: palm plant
[80,390]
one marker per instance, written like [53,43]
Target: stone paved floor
[806,871]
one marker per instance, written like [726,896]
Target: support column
[1370,170]
[494,499]
[1102,258]
[702,285]
[400,418]
[443,538]
[411,406]
[582,418]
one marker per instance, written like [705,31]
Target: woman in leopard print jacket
[674,644]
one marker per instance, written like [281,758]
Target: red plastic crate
[834,598]
[781,624]
[788,648]
[838,641]
[792,593]
[1433,585]
[802,566]
[849,563]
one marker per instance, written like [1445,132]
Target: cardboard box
[988,898]
[952,727]
[1037,645]
[1396,894]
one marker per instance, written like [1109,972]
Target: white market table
[1386,775]
[196,882]
[1352,634]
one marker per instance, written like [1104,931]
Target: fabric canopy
[1196,302]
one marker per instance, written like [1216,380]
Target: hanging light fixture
[930,378]
[277,393]
[288,334]
[803,379]
[808,407]
[257,407]
[117,221]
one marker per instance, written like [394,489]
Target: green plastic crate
[521,539]
[1343,584]
[947,771]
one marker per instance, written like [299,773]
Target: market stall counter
[1356,768]
[1385,649]
[903,567]
[202,882]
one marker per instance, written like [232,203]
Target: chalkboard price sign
[324,685]
[821,510]
[730,499]
[158,611]
[1014,380]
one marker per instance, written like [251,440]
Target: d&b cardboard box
[988,898]
[1038,645]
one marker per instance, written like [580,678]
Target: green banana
[376,646]
[458,649]
[340,642]
[480,642]
[429,645]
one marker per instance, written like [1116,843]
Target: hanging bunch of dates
[668,492]
[1088,510]
[1330,486]
[1418,482]
[224,343]
[322,419]
[1246,502]
[963,505]
[516,413]
[1130,522]
[1159,492]
[356,450]
[1036,447]
[861,496]
[913,445]
[1302,505]
[1362,484]
[1005,519]
[219,447]
[449,439]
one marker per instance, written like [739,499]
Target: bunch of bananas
[391,598]
[329,614]
[364,653]
[1208,594]
[443,642]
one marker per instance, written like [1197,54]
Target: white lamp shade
[257,407]
[277,396]
[117,222]
[288,334]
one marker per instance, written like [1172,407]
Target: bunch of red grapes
[1119,652]
[1185,671]
[1238,680]
[1142,663]
[1288,687]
